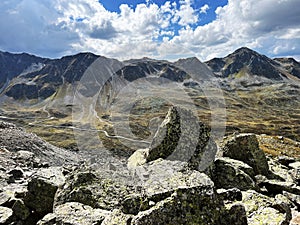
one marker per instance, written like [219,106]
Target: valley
[249,101]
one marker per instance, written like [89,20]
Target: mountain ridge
[243,62]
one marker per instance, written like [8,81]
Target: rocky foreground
[163,184]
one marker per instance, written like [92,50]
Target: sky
[150,28]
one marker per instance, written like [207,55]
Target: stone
[160,190]
[277,187]
[138,158]
[117,217]
[237,215]
[229,173]
[262,209]
[285,160]
[20,209]
[180,137]
[42,188]
[6,215]
[293,198]
[295,220]
[233,194]
[74,213]
[4,198]
[245,147]
[295,165]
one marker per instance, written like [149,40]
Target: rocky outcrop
[161,191]
[245,147]
[181,137]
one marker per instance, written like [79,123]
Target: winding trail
[85,129]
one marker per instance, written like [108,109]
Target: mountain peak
[245,62]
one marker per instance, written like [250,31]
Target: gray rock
[229,173]
[295,165]
[245,147]
[74,213]
[261,209]
[180,137]
[232,194]
[42,188]
[6,215]
[117,217]
[237,215]
[159,191]
[293,198]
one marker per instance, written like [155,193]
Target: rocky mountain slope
[246,62]
[240,186]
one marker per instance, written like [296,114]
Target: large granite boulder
[42,188]
[230,173]
[245,147]
[180,137]
[161,192]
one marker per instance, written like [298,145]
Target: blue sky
[150,28]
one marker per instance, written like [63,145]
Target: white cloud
[186,14]
[204,8]
[269,26]
[58,27]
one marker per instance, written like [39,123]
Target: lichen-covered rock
[6,215]
[180,137]
[245,147]
[160,191]
[117,217]
[183,207]
[42,188]
[261,209]
[74,213]
[230,173]
[237,215]
[104,189]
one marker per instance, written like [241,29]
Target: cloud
[186,15]
[269,26]
[204,8]
[57,27]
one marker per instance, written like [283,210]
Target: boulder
[117,217]
[42,188]
[230,173]
[156,193]
[237,215]
[245,147]
[261,209]
[180,137]
[74,213]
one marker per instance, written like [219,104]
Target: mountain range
[24,76]
[261,95]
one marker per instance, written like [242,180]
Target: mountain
[12,65]
[246,62]
[290,65]
[45,80]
